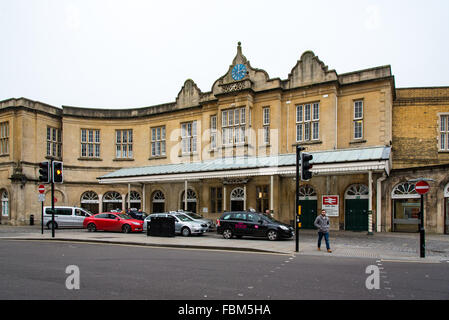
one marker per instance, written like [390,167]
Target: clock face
[238,72]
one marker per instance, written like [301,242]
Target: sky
[114,54]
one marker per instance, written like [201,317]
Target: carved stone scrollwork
[235,181]
[235,86]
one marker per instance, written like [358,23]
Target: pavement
[383,246]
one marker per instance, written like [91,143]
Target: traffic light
[306,174]
[44,172]
[57,172]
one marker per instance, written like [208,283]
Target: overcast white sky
[137,53]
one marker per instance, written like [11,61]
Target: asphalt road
[37,270]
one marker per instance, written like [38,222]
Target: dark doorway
[237,205]
[308,213]
[356,214]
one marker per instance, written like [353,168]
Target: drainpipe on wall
[336,122]
[379,202]
[129,196]
[143,198]
[185,195]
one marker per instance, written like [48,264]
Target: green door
[308,213]
[356,215]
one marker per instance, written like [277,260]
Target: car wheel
[272,235]
[91,227]
[185,232]
[227,234]
[126,228]
[50,223]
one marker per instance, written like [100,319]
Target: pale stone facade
[253,117]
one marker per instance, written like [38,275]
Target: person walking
[322,223]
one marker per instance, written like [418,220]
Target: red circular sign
[41,188]
[422,187]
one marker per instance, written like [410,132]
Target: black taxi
[254,224]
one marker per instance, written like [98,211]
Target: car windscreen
[183,218]
[124,216]
[194,215]
[269,219]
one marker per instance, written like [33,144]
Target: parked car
[112,221]
[65,217]
[242,223]
[135,214]
[199,218]
[184,225]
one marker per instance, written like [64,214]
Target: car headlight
[284,228]
[136,223]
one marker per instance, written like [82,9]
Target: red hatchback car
[111,221]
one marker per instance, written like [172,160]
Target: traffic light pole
[42,217]
[298,159]
[52,202]
[422,239]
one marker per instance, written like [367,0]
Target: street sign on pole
[41,188]
[422,187]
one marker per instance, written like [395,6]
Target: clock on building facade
[238,72]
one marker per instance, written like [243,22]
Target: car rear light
[218,222]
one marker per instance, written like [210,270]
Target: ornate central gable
[308,70]
[189,95]
[241,76]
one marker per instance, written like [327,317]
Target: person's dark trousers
[326,238]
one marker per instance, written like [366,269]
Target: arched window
[5,203]
[158,196]
[446,191]
[134,201]
[89,197]
[112,200]
[191,200]
[404,191]
[158,201]
[237,199]
[307,192]
[90,201]
[191,195]
[357,191]
[406,207]
[238,194]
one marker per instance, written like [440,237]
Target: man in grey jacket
[322,223]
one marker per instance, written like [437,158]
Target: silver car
[66,217]
[199,218]
[184,225]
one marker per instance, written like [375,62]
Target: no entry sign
[41,188]
[422,187]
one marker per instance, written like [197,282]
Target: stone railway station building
[233,148]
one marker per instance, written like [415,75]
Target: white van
[66,217]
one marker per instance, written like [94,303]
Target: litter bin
[32,220]
[161,227]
